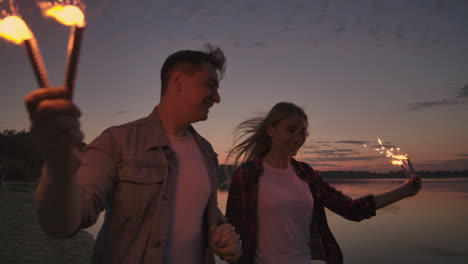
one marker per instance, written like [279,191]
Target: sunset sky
[363,69]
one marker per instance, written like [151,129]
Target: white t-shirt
[193,189]
[285,207]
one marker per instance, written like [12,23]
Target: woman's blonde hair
[251,140]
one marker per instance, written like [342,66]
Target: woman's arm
[409,188]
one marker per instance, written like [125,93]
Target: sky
[362,70]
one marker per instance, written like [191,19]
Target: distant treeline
[22,161]
[391,174]
[226,172]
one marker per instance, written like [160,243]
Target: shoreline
[22,239]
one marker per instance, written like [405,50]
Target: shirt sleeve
[96,176]
[351,209]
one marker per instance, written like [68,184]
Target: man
[155,177]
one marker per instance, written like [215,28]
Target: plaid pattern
[242,210]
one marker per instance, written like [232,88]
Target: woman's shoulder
[247,165]
[249,168]
[304,167]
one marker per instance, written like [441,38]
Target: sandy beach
[23,241]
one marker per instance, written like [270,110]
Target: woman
[277,203]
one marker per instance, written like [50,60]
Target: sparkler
[70,15]
[14,29]
[397,158]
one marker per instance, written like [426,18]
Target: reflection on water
[427,228]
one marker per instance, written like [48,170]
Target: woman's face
[288,135]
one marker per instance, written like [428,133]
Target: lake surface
[429,228]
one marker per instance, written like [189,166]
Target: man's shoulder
[129,125]
[116,132]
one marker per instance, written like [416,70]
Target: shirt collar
[156,136]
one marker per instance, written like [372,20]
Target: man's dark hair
[190,61]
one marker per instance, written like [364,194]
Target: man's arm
[58,203]
[55,129]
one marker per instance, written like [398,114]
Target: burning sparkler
[14,29]
[70,15]
[397,158]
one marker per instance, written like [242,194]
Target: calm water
[431,227]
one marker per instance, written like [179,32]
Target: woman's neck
[276,160]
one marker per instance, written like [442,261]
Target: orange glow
[14,29]
[380,141]
[400,157]
[68,15]
[397,162]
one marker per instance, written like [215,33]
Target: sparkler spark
[397,158]
[68,15]
[14,29]
[72,16]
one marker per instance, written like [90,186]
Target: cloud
[316,164]
[333,152]
[353,142]
[122,112]
[462,155]
[453,164]
[342,158]
[463,92]
[197,8]
[431,104]
[305,147]
[318,144]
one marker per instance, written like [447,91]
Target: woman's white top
[284,209]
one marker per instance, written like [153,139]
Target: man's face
[199,92]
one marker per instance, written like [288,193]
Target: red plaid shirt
[242,210]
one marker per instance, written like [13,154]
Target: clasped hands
[225,242]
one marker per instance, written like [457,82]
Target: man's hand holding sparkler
[55,128]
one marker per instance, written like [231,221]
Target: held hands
[55,128]
[412,185]
[224,241]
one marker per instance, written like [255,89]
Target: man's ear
[176,80]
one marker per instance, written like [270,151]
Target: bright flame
[397,158]
[14,29]
[400,157]
[68,15]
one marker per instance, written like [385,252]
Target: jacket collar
[155,136]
